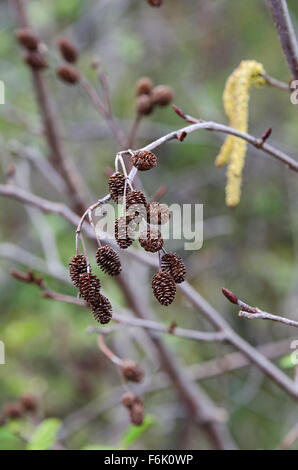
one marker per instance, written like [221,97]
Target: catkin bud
[151,240]
[108,260]
[35,60]
[162,95]
[132,371]
[164,288]
[27,38]
[144,105]
[174,265]
[68,50]
[68,74]
[144,86]
[144,160]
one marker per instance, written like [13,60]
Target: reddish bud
[230,296]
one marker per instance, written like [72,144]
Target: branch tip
[230,295]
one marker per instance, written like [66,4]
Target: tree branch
[286,33]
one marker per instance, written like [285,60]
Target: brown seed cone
[102,310]
[132,371]
[174,265]
[68,74]
[68,50]
[157,213]
[164,288]
[137,412]
[89,287]
[144,160]
[144,105]
[136,205]
[108,260]
[77,266]
[13,410]
[29,402]
[144,86]
[162,95]
[116,186]
[128,399]
[154,3]
[27,38]
[35,60]
[124,231]
[151,240]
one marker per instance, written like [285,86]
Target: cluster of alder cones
[148,96]
[154,214]
[26,404]
[88,283]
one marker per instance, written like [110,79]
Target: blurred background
[191,46]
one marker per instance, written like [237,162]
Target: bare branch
[286,33]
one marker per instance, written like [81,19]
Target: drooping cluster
[68,72]
[88,283]
[235,100]
[148,96]
[35,53]
[152,215]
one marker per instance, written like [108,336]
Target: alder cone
[128,399]
[154,3]
[68,50]
[132,371]
[164,288]
[116,186]
[157,213]
[144,160]
[162,95]
[29,402]
[174,265]
[108,260]
[144,86]
[89,287]
[35,60]
[144,105]
[102,310]
[68,74]
[151,240]
[77,266]
[124,231]
[13,410]
[137,412]
[136,205]
[27,38]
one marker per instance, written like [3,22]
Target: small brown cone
[128,399]
[108,260]
[144,105]
[132,371]
[77,266]
[151,240]
[102,310]
[164,288]
[136,205]
[116,186]
[157,213]
[144,160]
[35,60]
[89,287]
[144,86]
[154,3]
[13,410]
[68,74]
[27,38]
[29,402]
[68,50]
[162,95]
[137,412]
[174,265]
[124,231]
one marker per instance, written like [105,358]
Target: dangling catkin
[235,100]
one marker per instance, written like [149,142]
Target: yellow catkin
[235,101]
